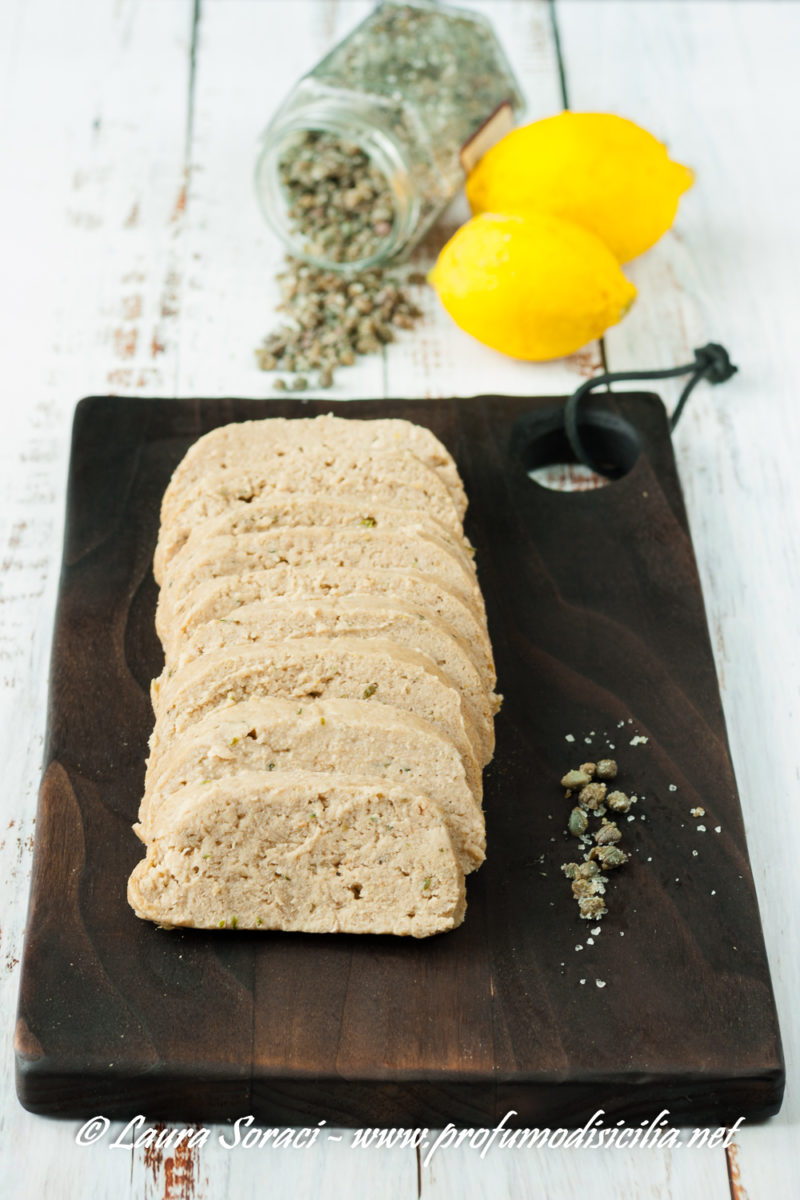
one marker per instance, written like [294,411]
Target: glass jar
[369,147]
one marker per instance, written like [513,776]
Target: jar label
[495,127]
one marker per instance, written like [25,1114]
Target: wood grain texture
[597,623]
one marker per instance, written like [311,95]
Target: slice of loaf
[303,669]
[357,550]
[298,850]
[344,736]
[215,598]
[288,509]
[229,443]
[398,480]
[367,617]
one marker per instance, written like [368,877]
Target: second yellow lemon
[597,169]
[535,287]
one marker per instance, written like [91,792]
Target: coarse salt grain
[600,982]
[569,737]
[639,740]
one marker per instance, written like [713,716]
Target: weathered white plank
[606,1174]
[10,22]
[329,1168]
[91,146]
[718,82]
[100,202]
[248,57]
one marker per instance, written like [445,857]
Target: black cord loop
[711,362]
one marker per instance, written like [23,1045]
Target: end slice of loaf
[301,851]
[229,442]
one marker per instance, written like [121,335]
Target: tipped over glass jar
[373,143]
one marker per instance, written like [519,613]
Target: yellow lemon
[601,171]
[534,287]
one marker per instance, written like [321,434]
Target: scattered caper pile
[333,318]
[590,783]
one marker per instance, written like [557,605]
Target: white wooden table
[134,261]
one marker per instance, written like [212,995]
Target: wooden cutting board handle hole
[540,442]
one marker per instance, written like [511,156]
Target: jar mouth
[383,154]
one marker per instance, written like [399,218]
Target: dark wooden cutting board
[597,621]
